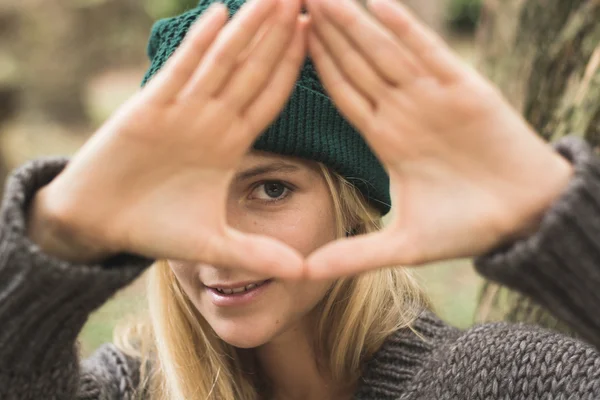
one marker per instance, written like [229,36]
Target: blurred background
[66,65]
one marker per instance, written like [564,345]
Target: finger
[378,46]
[261,36]
[348,99]
[254,72]
[268,103]
[354,66]
[182,64]
[363,253]
[424,43]
[221,58]
[261,254]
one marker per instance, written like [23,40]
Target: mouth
[237,288]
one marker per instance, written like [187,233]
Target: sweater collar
[392,368]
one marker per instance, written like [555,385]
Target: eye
[270,191]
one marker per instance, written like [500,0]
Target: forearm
[44,300]
[53,235]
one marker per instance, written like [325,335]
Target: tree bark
[545,57]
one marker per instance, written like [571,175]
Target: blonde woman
[256,208]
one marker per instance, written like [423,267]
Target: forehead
[256,158]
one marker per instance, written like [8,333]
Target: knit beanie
[309,126]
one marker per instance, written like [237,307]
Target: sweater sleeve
[559,265]
[44,301]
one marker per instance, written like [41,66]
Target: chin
[244,335]
[242,342]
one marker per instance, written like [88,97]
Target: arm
[44,301]
[559,265]
[510,361]
[152,180]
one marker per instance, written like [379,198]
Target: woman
[252,296]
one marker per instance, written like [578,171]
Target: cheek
[186,276]
[304,296]
[305,229]
[180,269]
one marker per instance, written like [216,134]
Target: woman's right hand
[154,179]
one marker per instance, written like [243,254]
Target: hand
[467,172]
[154,179]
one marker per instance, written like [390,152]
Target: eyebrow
[265,169]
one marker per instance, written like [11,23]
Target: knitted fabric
[44,303]
[309,126]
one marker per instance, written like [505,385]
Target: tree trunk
[545,57]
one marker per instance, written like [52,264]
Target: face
[284,198]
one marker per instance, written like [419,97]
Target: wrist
[553,184]
[53,232]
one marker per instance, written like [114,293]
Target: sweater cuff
[45,301]
[559,265]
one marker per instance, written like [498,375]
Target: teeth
[238,290]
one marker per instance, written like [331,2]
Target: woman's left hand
[467,171]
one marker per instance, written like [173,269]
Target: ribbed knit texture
[309,126]
[44,303]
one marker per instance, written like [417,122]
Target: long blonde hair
[183,359]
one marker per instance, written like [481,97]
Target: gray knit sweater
[44,303]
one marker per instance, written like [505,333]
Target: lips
[237,288]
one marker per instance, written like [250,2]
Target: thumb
[363,253]
[261,254]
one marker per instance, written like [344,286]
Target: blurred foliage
[154,8]
[463,15]
[162,9]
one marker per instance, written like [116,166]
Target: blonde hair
[182,358]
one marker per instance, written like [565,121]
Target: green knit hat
[309,127]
